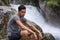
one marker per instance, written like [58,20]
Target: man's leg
[24,34]
[32,37]
[9,38]
[12,38]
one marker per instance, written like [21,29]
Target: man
[16,28]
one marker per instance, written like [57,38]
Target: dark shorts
[14,36]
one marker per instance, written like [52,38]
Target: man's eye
[23,12]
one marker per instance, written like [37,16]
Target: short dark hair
[21,7]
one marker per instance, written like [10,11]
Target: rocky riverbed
[5,14]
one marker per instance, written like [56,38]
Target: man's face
[22,13]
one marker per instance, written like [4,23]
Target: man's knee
[24,33]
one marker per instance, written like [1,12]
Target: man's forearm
[22,26]
[34,28]
[25,28]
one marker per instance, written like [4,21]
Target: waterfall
[32,14]
[14,1]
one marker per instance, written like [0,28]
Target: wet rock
[5,14]
[48,36]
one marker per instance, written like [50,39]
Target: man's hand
[40,35]
[35,29]
[35,36]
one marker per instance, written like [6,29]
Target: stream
[32,14]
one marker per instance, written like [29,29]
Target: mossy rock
[3,25]
[4,3]
[48,36]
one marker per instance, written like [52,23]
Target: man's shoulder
[14,16]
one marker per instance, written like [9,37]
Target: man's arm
[35,29]
[25,28]
[22,26]
[32,26]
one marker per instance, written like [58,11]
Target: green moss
[4,2]
[53,3]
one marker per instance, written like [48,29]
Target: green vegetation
[4,2]
[53,3]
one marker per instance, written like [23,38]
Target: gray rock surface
[5,14]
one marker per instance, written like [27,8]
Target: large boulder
[5,14]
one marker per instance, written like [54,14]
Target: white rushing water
[32,14]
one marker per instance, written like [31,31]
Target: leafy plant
[53,3]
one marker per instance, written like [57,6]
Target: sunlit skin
[22,13]
[26,31]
